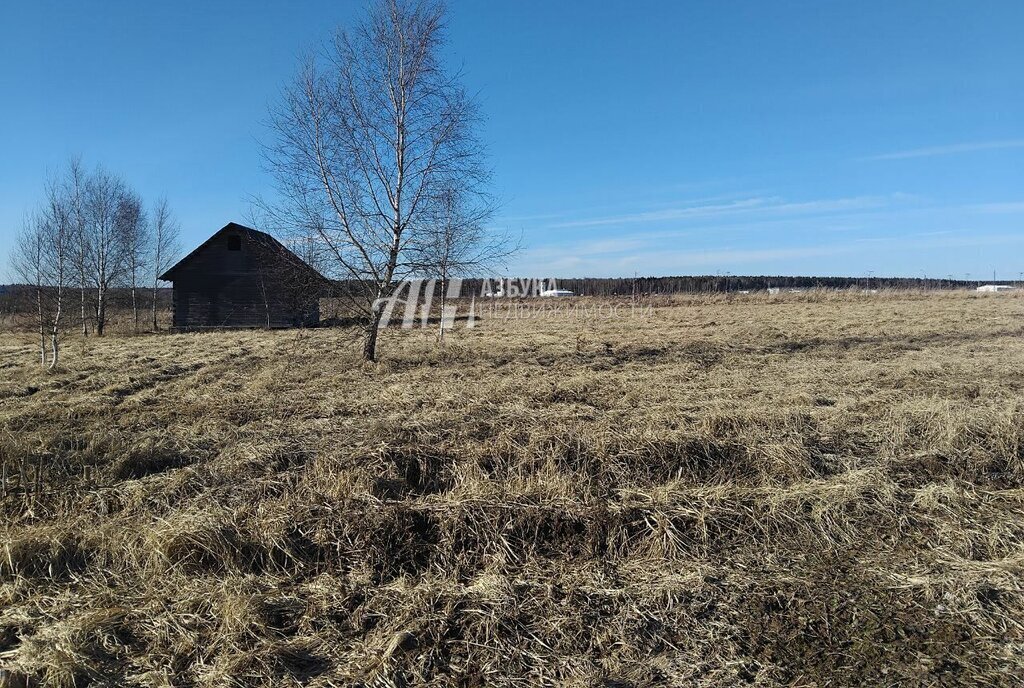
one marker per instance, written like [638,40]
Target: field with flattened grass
[804,490]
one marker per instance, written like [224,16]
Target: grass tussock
[804,490]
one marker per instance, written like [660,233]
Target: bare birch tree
[59,230]
[42,259]
[365,141]
[165,248]
[29,263]
[105,258]
[134,236]
[458,243]
[76,189]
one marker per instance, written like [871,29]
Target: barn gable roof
[252,235]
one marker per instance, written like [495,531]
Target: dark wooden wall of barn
[240,288]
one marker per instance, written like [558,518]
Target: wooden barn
[241,277]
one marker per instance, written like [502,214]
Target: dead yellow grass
[808,490]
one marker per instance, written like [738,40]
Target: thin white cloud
[766,206]
[1008,207]
[767,260]
[599,247]
[666,214]
[948,150]
[834,205]
[620,208]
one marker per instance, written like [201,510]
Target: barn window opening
[234,243]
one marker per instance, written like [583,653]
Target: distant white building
[995,287]
[557,292]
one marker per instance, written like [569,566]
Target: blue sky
[663,138]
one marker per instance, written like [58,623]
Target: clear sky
[658,137]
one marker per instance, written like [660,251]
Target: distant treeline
[702,284]
[696,284]
[692,284]
[626,286]
[17,299]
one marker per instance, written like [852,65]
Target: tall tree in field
[135,238]
[165,247]
[76,181]
[105,258]
[28,260]
[42,259]
[367,140]
[457,244]
[59,230]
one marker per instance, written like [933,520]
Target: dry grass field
[809,490]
